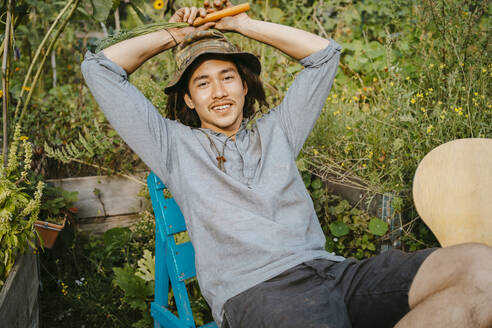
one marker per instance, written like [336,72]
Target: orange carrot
[215,16]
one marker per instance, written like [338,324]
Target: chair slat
[173,217]
[185,261]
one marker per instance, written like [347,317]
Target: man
[259,247]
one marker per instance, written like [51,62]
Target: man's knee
[463,266]
[477,262]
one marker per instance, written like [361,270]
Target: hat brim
[247,58]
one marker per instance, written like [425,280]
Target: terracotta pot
[49,231]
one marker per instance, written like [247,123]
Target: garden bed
[19,297]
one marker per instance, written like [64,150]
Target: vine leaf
[101,9]
[339,229]
[378,227]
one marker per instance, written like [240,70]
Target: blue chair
[173,262]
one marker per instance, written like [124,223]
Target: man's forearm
[292,41]
[131,54]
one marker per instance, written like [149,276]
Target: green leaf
[378,227]
[146,266]
[301,164]
[136,289]
[398,144]
[117,237]
[101,9]
[275,15]
[306,177]
[316,184]
[339,229]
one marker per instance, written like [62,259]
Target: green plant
[57,204]
[349,231]
[18,209]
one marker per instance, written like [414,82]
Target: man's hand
[228,23]
[188,15]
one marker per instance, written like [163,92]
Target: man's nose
[219,91]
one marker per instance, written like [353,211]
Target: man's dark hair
[178,110]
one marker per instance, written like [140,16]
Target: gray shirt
[252,221]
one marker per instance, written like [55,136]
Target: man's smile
[223,106]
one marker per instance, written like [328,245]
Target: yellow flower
[422,109]
[442,66]
[158,4]
[439,102]
[431,65]
[355,98]
[24,138]
[335,96]
[412,101]
[1,93]
[484,70]
[336,113]
[429,129]
[392,84]
[408,78]
[315,152]
[374,80]
[420,95]
[430,89]
[370,155]
[26,88]
[476,94]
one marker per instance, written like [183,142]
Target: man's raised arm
[132,53]
[292,41]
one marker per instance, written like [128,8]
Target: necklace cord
[220,155]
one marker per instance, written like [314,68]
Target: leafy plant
[57,204]
[18,209]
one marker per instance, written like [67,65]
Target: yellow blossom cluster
[64,288]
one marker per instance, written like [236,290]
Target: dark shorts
[322,293]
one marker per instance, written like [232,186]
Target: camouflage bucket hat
[200,43]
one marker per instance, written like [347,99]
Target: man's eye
[202,84]
[229,77]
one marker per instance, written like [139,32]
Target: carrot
[215,16]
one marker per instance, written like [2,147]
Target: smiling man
[259,247]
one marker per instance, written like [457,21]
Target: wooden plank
[19,296]
[98,226]
[101,196]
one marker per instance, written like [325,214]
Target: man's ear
[245,87]
[189,101]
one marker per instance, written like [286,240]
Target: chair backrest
[174,263]
[452,191]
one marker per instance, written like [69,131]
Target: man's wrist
[245,27]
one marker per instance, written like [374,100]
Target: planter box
[19,297]
[105,202]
